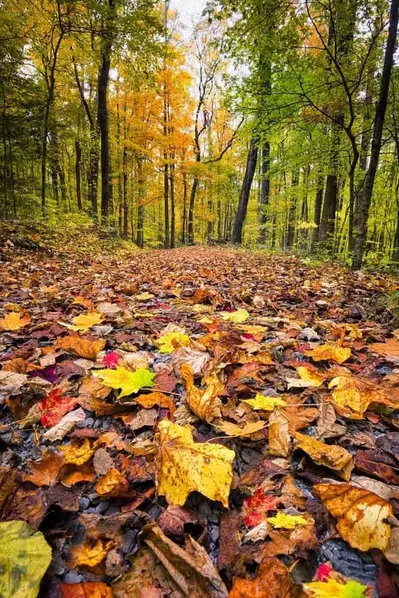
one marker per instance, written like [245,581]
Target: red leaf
[111,360]
[257,506]
[54,406]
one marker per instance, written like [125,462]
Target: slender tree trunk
[184,217]
[317,208]
[191,208]
[245,191]
[367,190]
[78,176]
[264,192]
[140,205]
[172,208]
[102,113]
[327,222]
[290,237]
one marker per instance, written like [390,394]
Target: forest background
[271,123]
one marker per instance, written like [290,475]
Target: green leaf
[24,559]
[129,382]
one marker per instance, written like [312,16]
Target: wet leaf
[361,515]
[128,382]
[112,484]
[24,559]
[184,466]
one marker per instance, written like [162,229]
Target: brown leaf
[204,403]
[102,461]
[45,471]
[74,474]
[279,436]
[271,581]
[334,457]
[156,398]
[173,520]
[113,483]
[81,346]
[87,589]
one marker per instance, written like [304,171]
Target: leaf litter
[198,422]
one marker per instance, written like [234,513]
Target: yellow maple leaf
[238,317]
[171,341]
[330,353]
[232,430]
[77,452]
[332,588]
[204,403]
[312,378]
[352,396]
[334,457]
[89,554]
[362,516]
[129,382]
[144,296]
[85,321]
[13,321]
[284,521]
[262,403]
[184,466]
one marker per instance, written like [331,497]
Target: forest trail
[286,373]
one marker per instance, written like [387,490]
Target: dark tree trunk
[191,208]
[290,237]
[172,208]
[245,192]
[184,218]
[102,112]
[364,200]
[264,192]
[317,209]
[166,204]
[78,176]
[327,222]
[140,205]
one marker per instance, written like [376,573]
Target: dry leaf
[361,515]
[87,589]
[112,484]
[184,466]
[89,554]
[128,382]
[263,403]
[279,436]
[204,403]
[74,474]
[45,471]
[271,581]
[65,425]
[196,359]
[77,452]
[388,349]
[156,398]
[334,457]
[83,347]
[232,430]
[330,353]
[85,321]
[352,396]
[14,321]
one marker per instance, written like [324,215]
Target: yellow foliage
[204,403]
[262,403]
[13,321]
[184,466]
[238,317]
[330,353]
[171,341]
[283,521]
[334,457]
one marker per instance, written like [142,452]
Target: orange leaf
[89,554]
[272,579]
[83,347]
[112,484]
[329,353]
[54,407]
[73,474]
[156,398]
[77,452]
[45,471]
[87,589]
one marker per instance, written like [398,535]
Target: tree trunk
[102,112]
[364,200]
[191,208]
[140,205]
[184,217]
[78,177]
[327,222]
[172,208]
[317,209]
[290,237]
[245,192]
[264,192]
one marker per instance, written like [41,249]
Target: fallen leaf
[24,559]
[54,406]
[257,506]
[361,515]
[14,321]
[77,452]
[205,404]
[89,554]
[388,349]
[85,321]
[128,382]
[173,520]
[308,378]
[332,456]
[65,425]
[284,521]
[144,296]
[238,317]
[87,589]
[263,403]
[196,359]
[156,398]
[45,471]
[233,430]
[271,581]
[83,347]
[111,360]
[332,588]
[330,353]
[102,461]
[112,484]
[279,436]
[172,341]
[352,396]
[184,466]
[74,474]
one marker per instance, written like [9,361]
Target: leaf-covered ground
[198,422]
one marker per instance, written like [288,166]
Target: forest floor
[197,422]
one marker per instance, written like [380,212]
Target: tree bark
[78,176]
[317,209]
[364,200]
[245,192]
[264,192]
[102,112]
[290,237]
